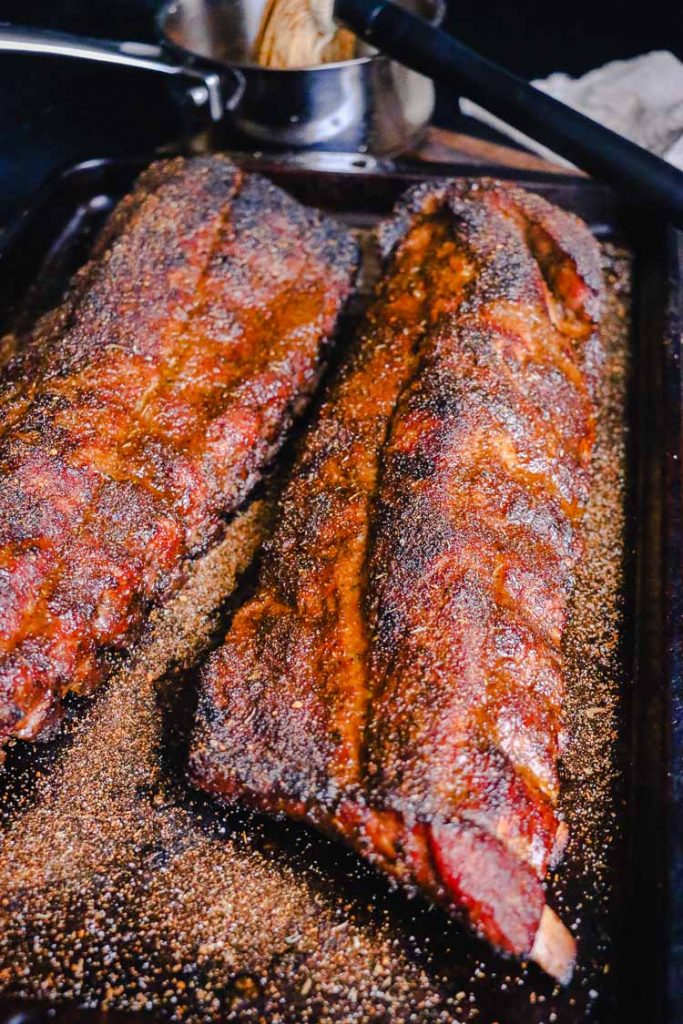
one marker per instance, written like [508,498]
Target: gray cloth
[641,98]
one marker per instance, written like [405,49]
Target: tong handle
[639,175]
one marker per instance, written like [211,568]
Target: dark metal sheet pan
[641,935]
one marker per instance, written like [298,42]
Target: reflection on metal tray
[282,924]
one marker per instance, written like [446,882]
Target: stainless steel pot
[369,104]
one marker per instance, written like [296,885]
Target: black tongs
[643,178]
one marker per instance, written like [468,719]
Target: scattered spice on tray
[120,887]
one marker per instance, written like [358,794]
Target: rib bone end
[554,949]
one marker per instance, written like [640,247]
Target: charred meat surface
[396,679]
[142,410]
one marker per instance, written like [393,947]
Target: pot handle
[206,87]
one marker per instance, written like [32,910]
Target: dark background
[53,112]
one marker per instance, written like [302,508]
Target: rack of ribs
[396,677]
[138,414]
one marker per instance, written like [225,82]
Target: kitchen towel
[641,98]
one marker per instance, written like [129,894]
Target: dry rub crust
[397,677]
[140,412]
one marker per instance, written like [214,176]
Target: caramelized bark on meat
[397,676]
[143,409]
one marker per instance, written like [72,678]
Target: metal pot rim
[166,9]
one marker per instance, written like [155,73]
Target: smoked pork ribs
[396,678]
[144,408]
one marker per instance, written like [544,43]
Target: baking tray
[638,932]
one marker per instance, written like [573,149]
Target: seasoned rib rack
[143,409]
[397,676]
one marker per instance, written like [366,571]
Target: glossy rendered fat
[143,409]
[397,676]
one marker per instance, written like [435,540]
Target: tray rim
[661,246]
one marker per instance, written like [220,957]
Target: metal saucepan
[369,104]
